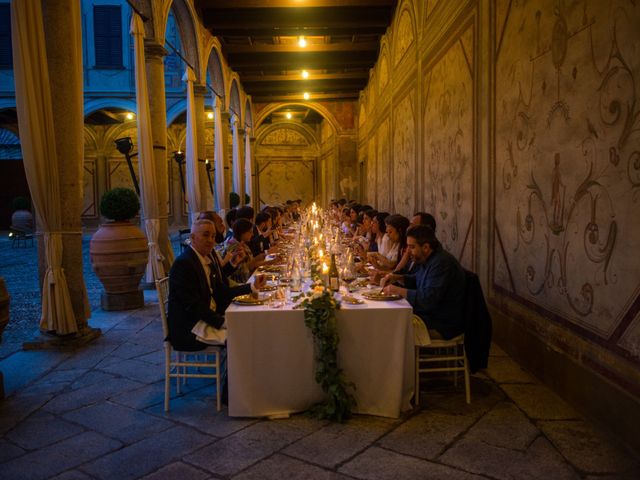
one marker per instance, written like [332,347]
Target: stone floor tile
[16,408]
[72,475]
[57,458]
[505,370]
[142,397]
[277,466]
[148,455]
[588,449]
[133,350]
[177,471]
[539,402]
[134,323]
[485,394]
[540,460]
[115,421]
[426,434]
[201,413]
[496,351]
[250,445]
[505,426]
[336,442]
[8,451]
[92,377]
[380,464]
[24,367]
[42,429]
[91,394]
[88,357]
[132,369]
[155,357]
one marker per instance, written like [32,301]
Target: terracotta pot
[4,306]
[119,255]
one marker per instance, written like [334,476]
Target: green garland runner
[320,317]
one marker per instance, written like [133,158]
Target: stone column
[62,29]
[200,93]
[241,169]
[236,166]
[154,57]
[225,127]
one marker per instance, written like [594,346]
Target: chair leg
[417,381]
[467,384]
[179,371]
[218,384]
[167,380]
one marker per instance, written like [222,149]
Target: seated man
[436,290]
[196,287]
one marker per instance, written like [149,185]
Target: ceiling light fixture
[288,115]
[302,42]
[306,95]
[305,74]
[210,115]
[129,116]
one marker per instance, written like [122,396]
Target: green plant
[20,203]
[119,204]
[320,317]
[234,199]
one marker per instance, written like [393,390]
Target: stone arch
[215,70]
[90,139]
[305,131]
[234,98]
[102,103]
[187,22]
[272,107]
[248,113]
[404,32]
[176,110]
[362,112]
[383,67]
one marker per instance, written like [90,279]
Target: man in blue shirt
[436,289]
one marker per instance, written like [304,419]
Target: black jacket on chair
[190,299]
[478,327]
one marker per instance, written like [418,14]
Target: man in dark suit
[198,290]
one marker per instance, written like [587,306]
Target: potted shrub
[22,218]
[119,251]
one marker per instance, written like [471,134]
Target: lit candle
[320,254]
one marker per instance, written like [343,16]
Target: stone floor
[97,413]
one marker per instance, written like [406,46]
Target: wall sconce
[209,168]
[124,146]
[179,159]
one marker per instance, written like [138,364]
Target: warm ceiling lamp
[129,116]
[210,115]
[288,115]
[306,95]
[302,42]
[305,74]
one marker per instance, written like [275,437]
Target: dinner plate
[381,296]
[247,300]
[270,268]
[268,288]
[352,300]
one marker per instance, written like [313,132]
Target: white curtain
[237,168]
[218,154]
[193,175]
[248,165]
[148,188]
[37,139]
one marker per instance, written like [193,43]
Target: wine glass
[349,275]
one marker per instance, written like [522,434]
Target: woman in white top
[393,243]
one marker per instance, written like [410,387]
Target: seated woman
[242,233]
[393,244]
[365,234]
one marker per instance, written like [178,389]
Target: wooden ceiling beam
[236,4]
[299,97]
[297,77]
[310,48]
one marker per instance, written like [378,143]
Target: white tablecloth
[271,359]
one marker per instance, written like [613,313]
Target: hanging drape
[237,168]
[148,188]
[37,140]
[218,154]
[248,165]
[193,176]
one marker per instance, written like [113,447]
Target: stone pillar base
[122,301]
[49,341]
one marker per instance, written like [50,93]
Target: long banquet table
[271,359]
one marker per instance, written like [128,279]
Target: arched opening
[13,180]
[295,155]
